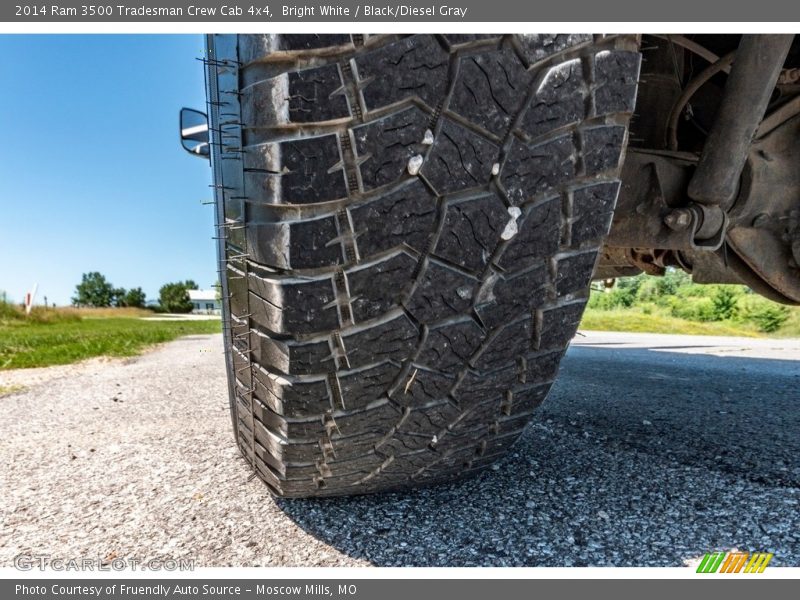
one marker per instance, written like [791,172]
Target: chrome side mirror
[194,132]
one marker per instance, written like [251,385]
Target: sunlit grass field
[62,336]
[634,320]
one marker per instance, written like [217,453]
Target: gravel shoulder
[135,458]
[651,450]
[28,378]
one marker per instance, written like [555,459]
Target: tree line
[96,291]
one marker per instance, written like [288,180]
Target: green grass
[790,329]
[5,390]
[675,304]
[634,320]
[68,338]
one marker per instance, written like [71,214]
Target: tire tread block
[392,73]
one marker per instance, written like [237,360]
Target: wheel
[408,228]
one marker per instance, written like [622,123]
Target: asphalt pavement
[651,450]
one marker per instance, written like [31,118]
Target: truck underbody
[701,100]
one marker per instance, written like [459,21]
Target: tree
[119,297]
[724,300]
[94,290]
[174,297]
[134,297]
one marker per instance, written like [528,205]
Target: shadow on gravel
[626,464]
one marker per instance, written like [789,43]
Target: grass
[64,336]
[635,320]
[675,304]
[5,390]
[103,313]
[791,328]
[67,335]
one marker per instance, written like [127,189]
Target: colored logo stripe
[758,562]
[734,562]
[711,562]
[701,568]
[741,562]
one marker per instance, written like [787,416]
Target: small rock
[414,164]
[428,139]
[603,515]
[464,292]
[646,422]
[511,227]
[495,168]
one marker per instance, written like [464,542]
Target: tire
[408,228]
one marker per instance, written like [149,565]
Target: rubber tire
[389,326]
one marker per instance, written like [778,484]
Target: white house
[205,302]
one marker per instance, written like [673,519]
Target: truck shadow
[637,458]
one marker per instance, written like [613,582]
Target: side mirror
[194,132]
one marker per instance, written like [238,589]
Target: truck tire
[408,227]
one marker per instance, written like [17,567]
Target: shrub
[672,280]
[648,291]
[618,298]
[630,284]
[724,301]
[598,300]
[766,315]
[693,309]
[693,290]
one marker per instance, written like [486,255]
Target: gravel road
[651,450]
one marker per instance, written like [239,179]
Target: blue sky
[92,176]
